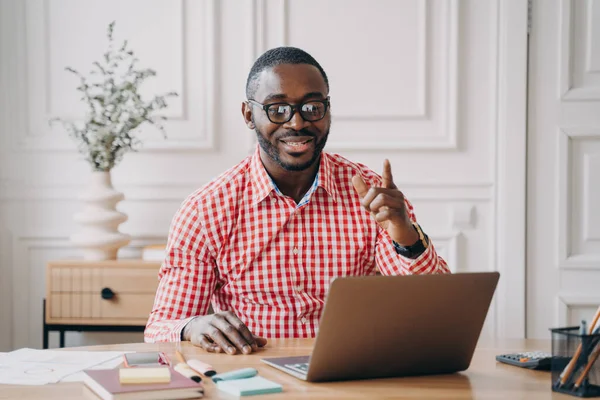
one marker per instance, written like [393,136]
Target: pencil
[595,320]
[586,371]
[180,356]
[566,374]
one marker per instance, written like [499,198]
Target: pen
[184,369]
[197,365]
[583,329]
[180,356]
[596,320]
[242,373]
[202,367]
[188,372]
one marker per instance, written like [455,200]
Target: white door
[563,165]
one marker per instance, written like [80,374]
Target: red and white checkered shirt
[241,244]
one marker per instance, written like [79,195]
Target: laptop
[390,326]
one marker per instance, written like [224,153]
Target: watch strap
[416,249]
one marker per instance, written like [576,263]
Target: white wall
[422,83]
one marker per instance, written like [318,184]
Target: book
[249,386]
[155,252]
[144,375]
[105,383]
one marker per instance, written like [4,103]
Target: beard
[273,152]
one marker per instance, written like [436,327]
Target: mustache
[292,133]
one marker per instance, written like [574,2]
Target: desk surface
[485,379]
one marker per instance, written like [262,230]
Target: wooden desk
[485,379]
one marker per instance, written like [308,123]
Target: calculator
[532,360]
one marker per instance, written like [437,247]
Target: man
[264,240]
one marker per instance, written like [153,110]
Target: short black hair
[277,56]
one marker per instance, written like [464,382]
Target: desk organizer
[575,362]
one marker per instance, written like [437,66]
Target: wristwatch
[415,250]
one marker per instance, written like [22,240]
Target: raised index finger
[386,177]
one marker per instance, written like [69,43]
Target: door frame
[511,168]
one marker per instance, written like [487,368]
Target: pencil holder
[575,363]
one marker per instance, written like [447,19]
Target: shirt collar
[261,181]
[263,184]
[326,178]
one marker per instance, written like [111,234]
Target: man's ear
[247,114]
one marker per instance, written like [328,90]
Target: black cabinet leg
[62,339]
[45,334]
[45,339]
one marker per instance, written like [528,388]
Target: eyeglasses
[280,113]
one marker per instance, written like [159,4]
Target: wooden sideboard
[98,296]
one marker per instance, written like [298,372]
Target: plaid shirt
[243,245]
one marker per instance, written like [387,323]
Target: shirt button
[298,289]
[295,251]
[303,320]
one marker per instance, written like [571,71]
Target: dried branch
[115,108]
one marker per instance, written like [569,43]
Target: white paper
[80,376]
[39,367]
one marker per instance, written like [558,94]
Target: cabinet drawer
[76,305]
[93,280]
[128,280]
[127,306]
[80,294]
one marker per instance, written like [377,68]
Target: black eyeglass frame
[295,108]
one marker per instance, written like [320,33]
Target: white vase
[99,237]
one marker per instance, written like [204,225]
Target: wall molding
[566,90]
[592,64]
[448,242]
[40,137]
[565,301]
[423,68]
[463,216]
[14,85]
[565,260]
[446,140]
[510,192]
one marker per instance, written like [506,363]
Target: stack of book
[107,385]
[155,252]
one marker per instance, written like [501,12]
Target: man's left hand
[387,205]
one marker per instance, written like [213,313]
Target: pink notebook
[105,383]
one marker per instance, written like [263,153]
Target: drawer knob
[107,293]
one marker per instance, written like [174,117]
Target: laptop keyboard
[300,367]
